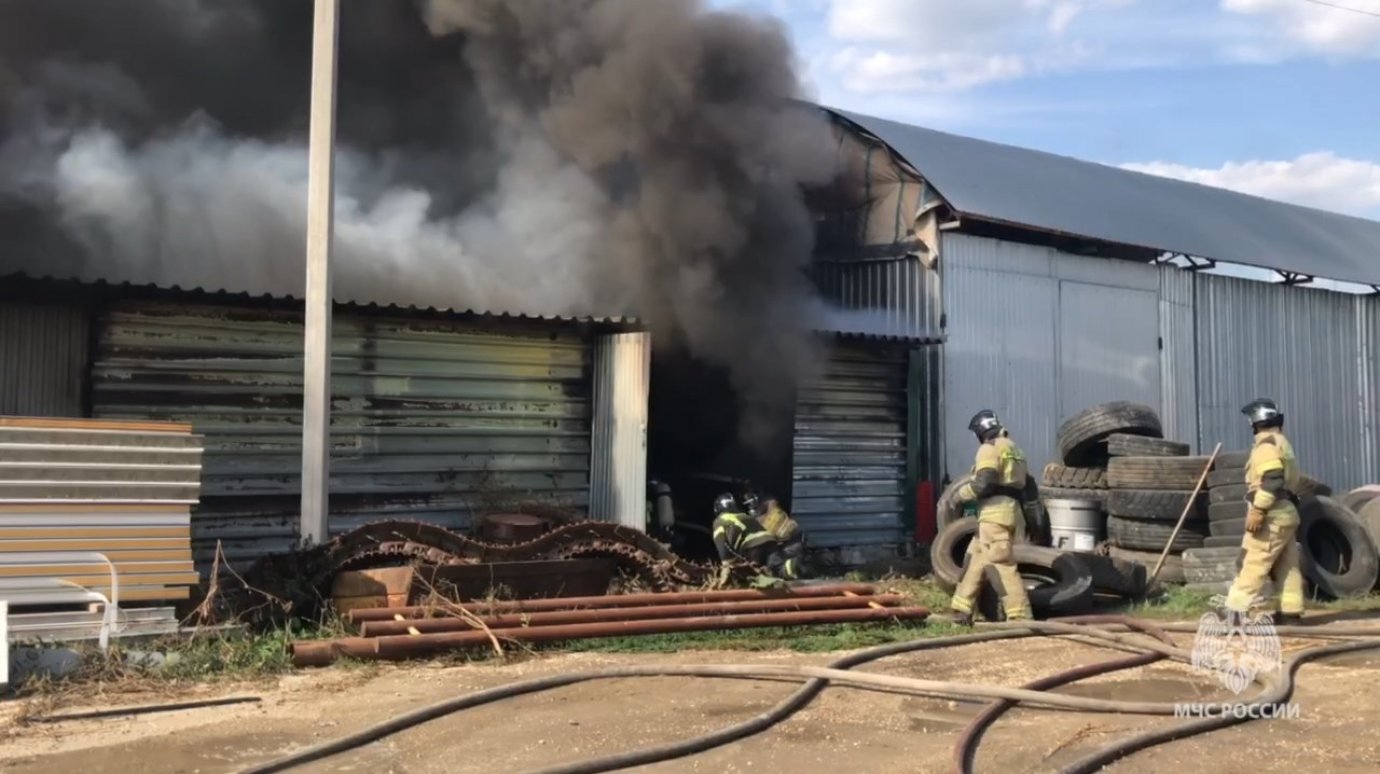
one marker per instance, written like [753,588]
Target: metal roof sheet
[1039,190]
[223,294]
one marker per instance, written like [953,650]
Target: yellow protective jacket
[998,478]
[779,523]
[1272,477]
[737,533]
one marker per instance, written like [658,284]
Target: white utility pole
[316,377]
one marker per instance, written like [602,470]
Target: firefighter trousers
[1268,555]
[991,547]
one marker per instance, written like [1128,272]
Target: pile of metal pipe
[402,633]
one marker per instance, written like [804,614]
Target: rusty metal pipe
[484,607]
[564,617]
[407,646]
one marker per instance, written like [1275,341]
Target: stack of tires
[1115,455]
[1337,550]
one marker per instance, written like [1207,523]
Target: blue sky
[1279,98]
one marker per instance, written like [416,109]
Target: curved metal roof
[1006,184]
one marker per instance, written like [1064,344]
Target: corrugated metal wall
[897,297]
[1037,335]
[618,468]
[1302,347]
[849,480]
[43,359]
[431,420]
[1178,357]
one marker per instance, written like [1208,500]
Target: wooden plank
[131,594]
[105,545]
[112,520]
[183,554]
[97,508]
[88,533]
[70,570]
[53,423]
[102,583]
[71,617]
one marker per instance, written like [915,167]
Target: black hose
[783,710]
[965,752]
[1278,694]
[790,705]
[145,709]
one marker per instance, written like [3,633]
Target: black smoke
[548,156]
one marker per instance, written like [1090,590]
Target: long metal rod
[484,607]
[316,376]
[564,617]
[322,652]
[1192,501]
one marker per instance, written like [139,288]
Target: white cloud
[936,46]
[1297,26]
[1323,180]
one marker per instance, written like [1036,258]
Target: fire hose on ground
[1099,628]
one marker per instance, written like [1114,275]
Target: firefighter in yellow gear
[997,486]
[1268,550]
[772,540]
[786,557]
[738,537]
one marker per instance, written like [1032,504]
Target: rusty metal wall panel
[618,464]
[897,297]
[1301,347]
[431,420]
[849,478]
[1178,356]
[43,359]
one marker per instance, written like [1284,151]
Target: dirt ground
[865,731]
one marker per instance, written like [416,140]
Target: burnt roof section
[1015,186]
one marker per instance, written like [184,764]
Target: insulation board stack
[70,487]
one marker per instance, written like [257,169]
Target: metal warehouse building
[978,276]
[1056,284]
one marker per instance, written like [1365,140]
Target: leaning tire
[1357,499]
[1342,557]
[1171,572]
[1370,520]
[1062,584]
[1141,535]
[1180,473]
[1228,494]
[1116,576]
[947,552]
[1082,437]
[1123,445]
[948,509]
[1065,477]
[1153,505]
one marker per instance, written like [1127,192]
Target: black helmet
[984,424]
[1263,411]
[723,503]
[752,504]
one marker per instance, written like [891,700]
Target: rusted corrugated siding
[431,419]
[43,359]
